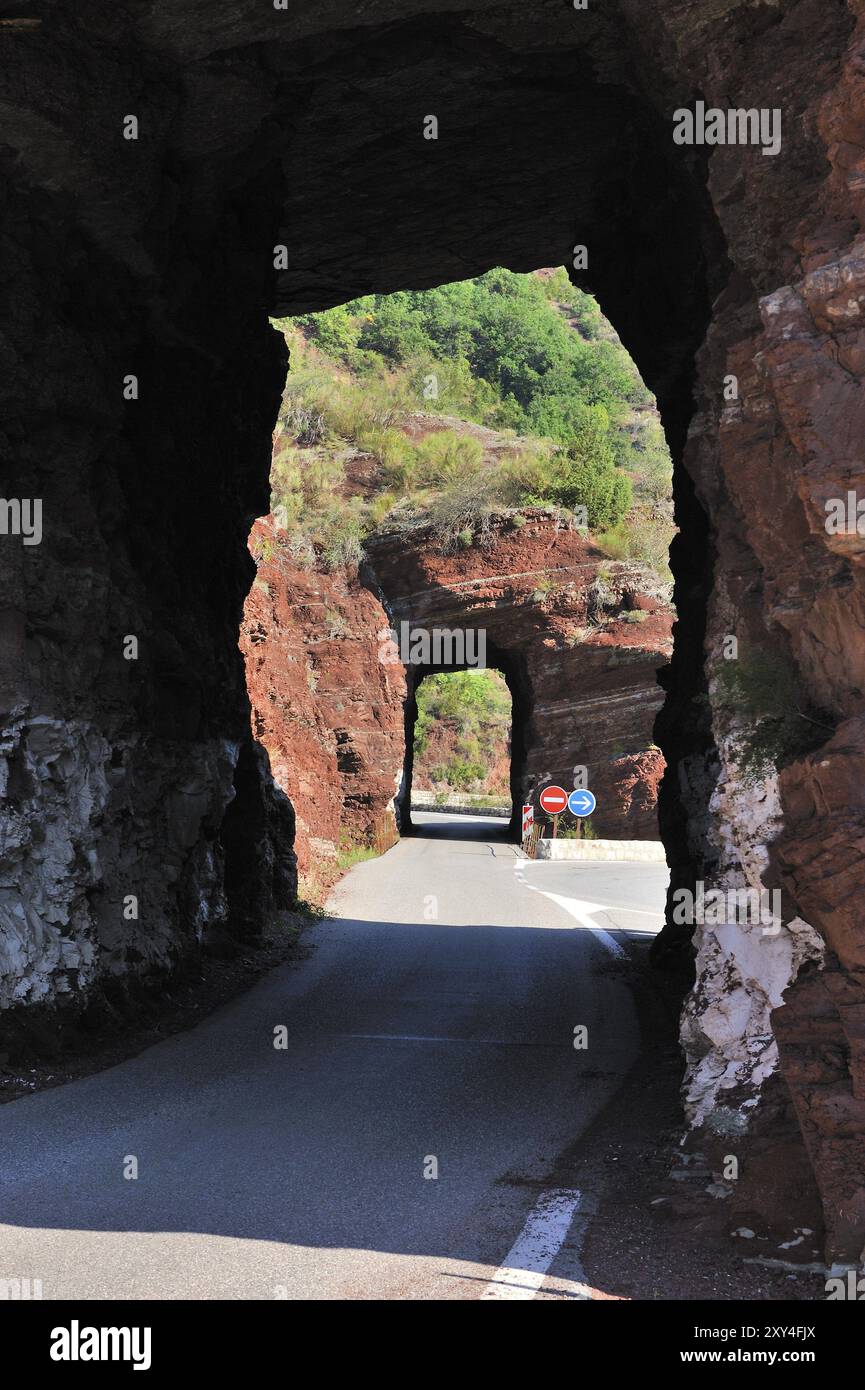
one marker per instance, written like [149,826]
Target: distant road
[430,1029]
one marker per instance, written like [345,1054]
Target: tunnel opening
[461,743]
[485,460]
[512,670]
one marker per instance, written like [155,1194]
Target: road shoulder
[658,1233]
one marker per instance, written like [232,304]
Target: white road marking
[538,1244]
[617,907]
[582,911]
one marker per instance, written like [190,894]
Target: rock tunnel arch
[153,260]
[512,666]
[583,696]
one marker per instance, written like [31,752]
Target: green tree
[585,474]
[334,331]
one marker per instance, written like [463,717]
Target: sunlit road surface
[403,1144]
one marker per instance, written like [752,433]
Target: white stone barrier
[641,851]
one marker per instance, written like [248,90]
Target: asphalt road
[430,1031]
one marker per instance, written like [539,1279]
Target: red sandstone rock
[330,712]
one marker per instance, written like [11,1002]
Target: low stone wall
[643,851]
[426,801]
[459,808]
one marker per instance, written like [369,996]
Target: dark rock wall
[118,259]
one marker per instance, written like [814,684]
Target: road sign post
[554,801]
[581,803]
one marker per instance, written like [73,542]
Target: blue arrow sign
[581,803]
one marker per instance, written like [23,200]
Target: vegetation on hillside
[462,732]
[492,394]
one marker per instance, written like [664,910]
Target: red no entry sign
[554,800]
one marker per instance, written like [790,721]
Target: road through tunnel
[282,162]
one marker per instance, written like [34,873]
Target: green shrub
[445,458]
[615,541]
[524,353]
[394,453]
[466,506]
[462,774]
[449,385]
[307,405]
[366,365]
[352,851]
[334,331]
[320,479]
[643,535]
[585,475]
[524,473]
[379,508]
[343,549]
[501,348]
[581,829]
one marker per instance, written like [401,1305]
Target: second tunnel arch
[581,696]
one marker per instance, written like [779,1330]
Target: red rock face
[328,696]
[565,626]
[791,329]
[327,710]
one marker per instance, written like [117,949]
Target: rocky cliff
[328,711]
[578,637]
